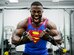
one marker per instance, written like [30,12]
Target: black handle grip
[24,33]
[47,30]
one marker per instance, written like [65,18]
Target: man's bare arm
[53,32]
[17,34]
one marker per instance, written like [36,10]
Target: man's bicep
[19,32]
[22,24]
[16,36]
[53,29]
[21,27]
[51,25]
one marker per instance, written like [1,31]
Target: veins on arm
[17,34]
[53,29]
[54,32]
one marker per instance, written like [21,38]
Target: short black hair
[37,3]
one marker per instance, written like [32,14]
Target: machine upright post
[2,39]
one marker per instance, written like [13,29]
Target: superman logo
[35,35]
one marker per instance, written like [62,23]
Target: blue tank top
[38,48]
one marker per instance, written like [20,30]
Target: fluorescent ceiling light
[13,1]
[55,0]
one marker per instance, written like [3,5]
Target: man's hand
[27,34]
[15,40]
[43,32]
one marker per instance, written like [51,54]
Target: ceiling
[26,3]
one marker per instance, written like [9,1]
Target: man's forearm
[52,40]
[48,38]
[23,40]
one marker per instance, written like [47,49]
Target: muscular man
[34,36]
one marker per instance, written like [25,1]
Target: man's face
[36,13]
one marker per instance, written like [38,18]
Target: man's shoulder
[49,23]
[23,23]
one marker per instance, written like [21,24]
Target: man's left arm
[52,34]
[55,34]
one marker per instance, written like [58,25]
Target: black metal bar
[2,39]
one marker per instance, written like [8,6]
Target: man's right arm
[17,35]
[18,39]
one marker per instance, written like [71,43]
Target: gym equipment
[7,39]
[61,51]
[7,47]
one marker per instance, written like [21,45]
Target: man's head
[36,11]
